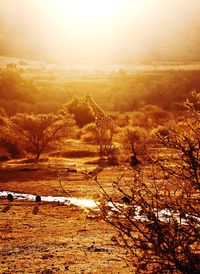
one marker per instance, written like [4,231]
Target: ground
[51,237]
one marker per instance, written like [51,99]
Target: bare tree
[156,209]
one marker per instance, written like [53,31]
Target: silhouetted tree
[80,110]
[160,224]
[38,131]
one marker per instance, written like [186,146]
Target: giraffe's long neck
[97,110]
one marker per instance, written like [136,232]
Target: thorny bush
[156,209]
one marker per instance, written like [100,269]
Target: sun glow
[96,30]
[85,8]
[83,15]
[89,9]
[91,28]
[87,27]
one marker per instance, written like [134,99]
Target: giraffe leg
[111,136]
[101,141]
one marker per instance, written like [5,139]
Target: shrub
[80,110]
[38,131]
[4,154]
[134,140]
[89,133]
[160,131]
[122,120]
[156,210]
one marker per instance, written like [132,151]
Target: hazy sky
[100,30]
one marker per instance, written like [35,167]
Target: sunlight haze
[100,30]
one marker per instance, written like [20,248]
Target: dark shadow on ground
[6,208]
[27,175]
[35,209]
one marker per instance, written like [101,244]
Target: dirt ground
[51,237]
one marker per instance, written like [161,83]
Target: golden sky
[99,30]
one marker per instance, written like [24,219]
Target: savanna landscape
[99,137]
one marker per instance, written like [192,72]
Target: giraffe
[104,124]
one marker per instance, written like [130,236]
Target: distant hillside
[17,49]
[183,49]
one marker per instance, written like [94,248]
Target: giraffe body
[104,124]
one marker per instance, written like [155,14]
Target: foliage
[160,131]
[36,90]
[156,211]
[134,140]
[89,133]
[156,115]
[8,144]
[15,88]
[122,120]
[38,131]
[80,110]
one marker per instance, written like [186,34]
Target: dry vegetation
[49,146]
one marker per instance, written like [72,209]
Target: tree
[80,110]
[8,145]
[156,211]
[16,89]
[38,131]
[134,140]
